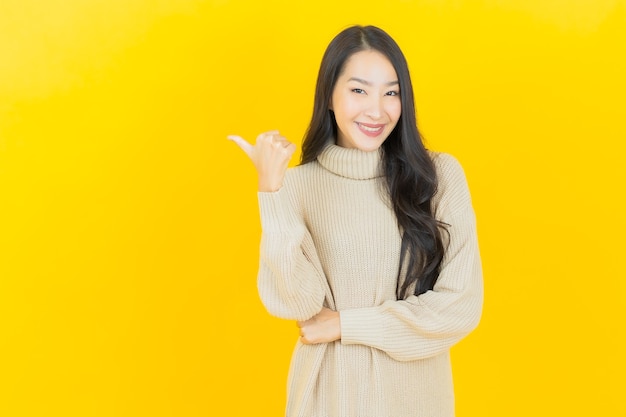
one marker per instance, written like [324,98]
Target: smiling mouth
[371,128]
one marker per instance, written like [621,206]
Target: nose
[374,108]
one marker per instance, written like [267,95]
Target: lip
[371,130]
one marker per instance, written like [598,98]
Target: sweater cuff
[363,326]
[276,211]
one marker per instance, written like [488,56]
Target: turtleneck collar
[351,163]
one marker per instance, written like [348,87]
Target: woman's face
[366,101]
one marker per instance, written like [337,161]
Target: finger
[281,141]
[270,135]
[303,322]
[242,143]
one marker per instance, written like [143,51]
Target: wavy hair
[411,180]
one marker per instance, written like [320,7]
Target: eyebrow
[362,81]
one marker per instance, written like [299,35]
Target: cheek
[345,108]
[394,110]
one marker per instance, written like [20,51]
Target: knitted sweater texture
[330,238]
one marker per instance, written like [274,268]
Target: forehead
[370,65]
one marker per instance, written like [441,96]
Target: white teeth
[370,129]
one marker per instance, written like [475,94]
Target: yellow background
[129,225]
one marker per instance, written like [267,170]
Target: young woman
[369,244]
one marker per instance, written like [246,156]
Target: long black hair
[411,180]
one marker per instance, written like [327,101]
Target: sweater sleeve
[426,325]
[291,281]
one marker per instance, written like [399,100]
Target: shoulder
[301,173]
[452,189]
[298,179]
[447,166]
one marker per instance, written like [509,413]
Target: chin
[369,144]
[362,142]
[370,147]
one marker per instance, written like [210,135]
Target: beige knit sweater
[330,238]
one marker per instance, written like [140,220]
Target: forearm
[428,324]
[413,329]
[291,280]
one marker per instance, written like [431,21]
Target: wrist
[337,325]
[268,186]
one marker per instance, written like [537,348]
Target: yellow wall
[128,223]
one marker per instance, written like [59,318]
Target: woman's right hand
[270,155]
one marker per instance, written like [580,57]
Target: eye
[358,90]
[392,93]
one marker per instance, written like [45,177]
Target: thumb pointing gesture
[243,144]
[270,155]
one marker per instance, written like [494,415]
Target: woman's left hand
[324,327]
